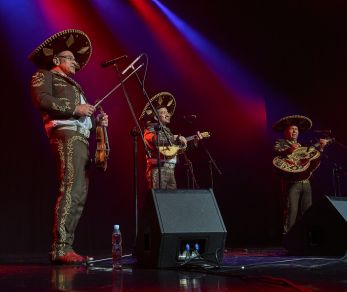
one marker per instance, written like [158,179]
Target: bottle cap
[116,226]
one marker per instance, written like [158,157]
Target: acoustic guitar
[170,151]
[301,163]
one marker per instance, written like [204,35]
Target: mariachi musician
[68,120]
[161,140]
[296,165]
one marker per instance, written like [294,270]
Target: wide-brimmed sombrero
[303,123]
[162,99]
[72,40]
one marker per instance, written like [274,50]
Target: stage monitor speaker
[321,231]
[175,224]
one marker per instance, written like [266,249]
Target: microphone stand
[338,172]
[116,87]
[336,179]
[135,132]
[190,172]
[132,110]
[137,129]
[188,163]
[211,163]
[158,128]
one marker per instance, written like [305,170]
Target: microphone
[190,117]
[323,131]
[112,61]
[132,64]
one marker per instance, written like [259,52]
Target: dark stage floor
[243,269]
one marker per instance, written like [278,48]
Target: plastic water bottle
[195,252]
[187,251]
[116,248]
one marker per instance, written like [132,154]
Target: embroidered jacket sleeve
[54,95]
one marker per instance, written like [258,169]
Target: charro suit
[56,96]
[168,180]
[297,192]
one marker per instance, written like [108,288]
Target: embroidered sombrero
[162,99]
[302,122]
[72,40]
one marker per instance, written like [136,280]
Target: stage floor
[243,269]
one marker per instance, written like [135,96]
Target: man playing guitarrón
[295,173]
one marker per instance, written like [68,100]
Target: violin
[103,147]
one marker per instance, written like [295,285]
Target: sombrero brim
[72,40]
[302,122]
[162,99]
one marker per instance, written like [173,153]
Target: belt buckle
[169,165]
[83,131]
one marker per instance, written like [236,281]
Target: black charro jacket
[56,95]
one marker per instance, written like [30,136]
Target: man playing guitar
[161,140]
[295,164]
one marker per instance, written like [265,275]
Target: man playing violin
[68,120]
[296,188]
[157,138]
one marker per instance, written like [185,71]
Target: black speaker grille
[175,219]
[183,211]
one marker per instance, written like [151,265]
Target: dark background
[295,50]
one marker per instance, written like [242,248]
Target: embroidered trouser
[168,180]
[299,199]
[71,154]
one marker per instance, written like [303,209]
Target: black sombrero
[303,123]
[72,40]
[162,99]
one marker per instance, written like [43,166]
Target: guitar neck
[317,145]
[190,138]
[202,135]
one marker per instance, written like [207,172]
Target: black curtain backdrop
[298,49]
